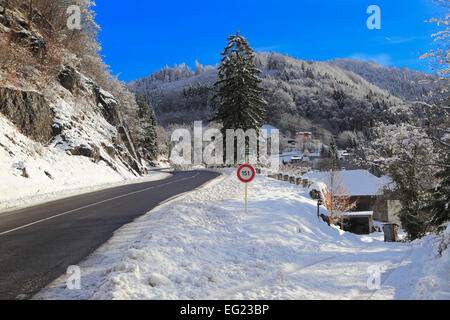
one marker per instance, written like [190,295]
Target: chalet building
[366,190]
[303,137]
[304,140]
[360,185]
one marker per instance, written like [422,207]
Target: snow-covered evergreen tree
[239,97]
[439,206]
[148,146]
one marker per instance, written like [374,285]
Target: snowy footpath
[203,246]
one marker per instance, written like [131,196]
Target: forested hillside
[302,95]
[407,84]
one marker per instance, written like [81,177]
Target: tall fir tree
[147,145]
[239,98]
[439,206]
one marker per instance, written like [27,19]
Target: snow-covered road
[203,246]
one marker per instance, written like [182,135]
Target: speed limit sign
[246,173]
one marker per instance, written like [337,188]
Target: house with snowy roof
[304,139]
[365,189]
[362,186]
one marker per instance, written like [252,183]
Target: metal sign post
[246,173]
[247,153]
[319,203]
[245,206]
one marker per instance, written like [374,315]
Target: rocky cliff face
[29,111]
[34,116]
[62,130]
[21,32]
[108,107]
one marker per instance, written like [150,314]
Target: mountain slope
[407,84]
[302,95]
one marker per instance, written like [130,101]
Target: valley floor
[203,246]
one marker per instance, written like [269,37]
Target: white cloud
[396,40]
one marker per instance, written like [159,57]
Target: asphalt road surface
[37,244]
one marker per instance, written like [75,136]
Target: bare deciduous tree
[440,55]
[337,200]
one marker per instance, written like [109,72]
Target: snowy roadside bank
[435,284]
[202,246]
[32,173]
[41,193]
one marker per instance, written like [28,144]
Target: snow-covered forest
[329,97]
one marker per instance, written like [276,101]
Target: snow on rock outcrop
[30,171]
[48,145]
[58,131]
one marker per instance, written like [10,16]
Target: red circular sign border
[246,166]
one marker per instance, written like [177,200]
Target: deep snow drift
[202,246]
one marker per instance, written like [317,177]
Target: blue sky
[139,37]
